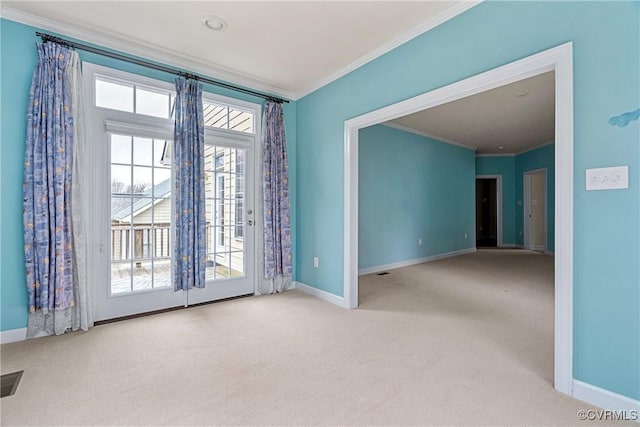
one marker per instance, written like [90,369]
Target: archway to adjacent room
[558,59]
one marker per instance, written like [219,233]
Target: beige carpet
[461,341]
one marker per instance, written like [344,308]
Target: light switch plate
[615,178]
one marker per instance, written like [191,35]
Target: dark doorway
[486,213]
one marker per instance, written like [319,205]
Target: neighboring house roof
[123,209]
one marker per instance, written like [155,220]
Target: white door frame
[526,182]
[558,59]
[99,122]
[498,179]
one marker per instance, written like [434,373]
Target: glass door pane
[138,247]
[140,215]
[140,227]
[228,242]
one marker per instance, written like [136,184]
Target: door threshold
[166,310]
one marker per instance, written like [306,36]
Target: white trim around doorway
[558,59]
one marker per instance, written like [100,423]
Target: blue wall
[512,169]
[543,157]
[505,166]
[402,197]
[606,38]
[18,61]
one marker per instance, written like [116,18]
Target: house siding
[159,213]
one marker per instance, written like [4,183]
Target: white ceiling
[287,48]
[493,118]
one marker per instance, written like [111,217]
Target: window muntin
[225,251]
[222,116]
[140,215]
[239,184]
[133,98]
[130,97]
[137,160]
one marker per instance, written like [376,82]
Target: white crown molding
[496,155]
[146,50]
[428,135]
[160,54]
[544,144]
[441,18]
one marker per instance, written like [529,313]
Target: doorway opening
[559,60]
[488,211]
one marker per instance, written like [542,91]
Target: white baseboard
[13,335]
[399,264]
[606,399]
[319,293]
[533,248]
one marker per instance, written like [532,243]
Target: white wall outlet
[420,241]
[615,178]
[316,262]
[465,236]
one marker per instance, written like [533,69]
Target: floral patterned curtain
[277,226]
[189,258]
[47,186]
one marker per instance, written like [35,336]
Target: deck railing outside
[140,242]
[141,258]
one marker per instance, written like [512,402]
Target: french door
[230,220]
[140,225]
[132,226]
[137,228]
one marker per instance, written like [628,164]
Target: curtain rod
[69,43]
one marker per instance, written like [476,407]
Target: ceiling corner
[450,13]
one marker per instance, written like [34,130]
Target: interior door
[535,210]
